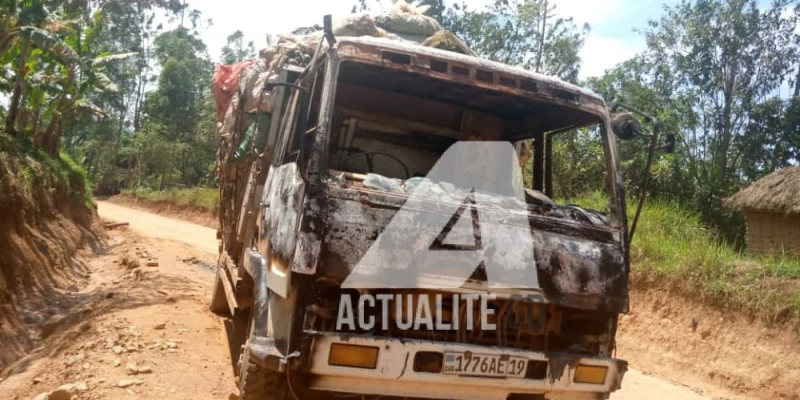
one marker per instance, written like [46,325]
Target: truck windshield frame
[586,111]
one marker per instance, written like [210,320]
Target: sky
[612,38]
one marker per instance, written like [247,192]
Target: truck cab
[380,151]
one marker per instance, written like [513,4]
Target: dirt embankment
[45,221]
[696,344]
[145,331]
[198,215]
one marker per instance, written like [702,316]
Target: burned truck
[343,192]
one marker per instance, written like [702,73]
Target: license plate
[471,364]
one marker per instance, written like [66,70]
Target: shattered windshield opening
[393,142]
[556,168]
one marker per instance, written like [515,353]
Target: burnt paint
[578,265]
[560,363]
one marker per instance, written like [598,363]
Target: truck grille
[516,324]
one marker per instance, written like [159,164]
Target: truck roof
[493,72]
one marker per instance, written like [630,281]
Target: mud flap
[225,278]
[273,316]
[264,352]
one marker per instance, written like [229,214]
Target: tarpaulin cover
[225,83]
[409,19]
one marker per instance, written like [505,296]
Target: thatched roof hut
[778,193]
[772,207]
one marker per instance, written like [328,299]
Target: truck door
[283,202]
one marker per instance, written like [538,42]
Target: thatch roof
[778,193]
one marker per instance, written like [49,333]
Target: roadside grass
[672,248]
[29,177]
[204,198]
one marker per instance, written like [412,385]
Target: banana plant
[75,98]
[26,26]
[53,77]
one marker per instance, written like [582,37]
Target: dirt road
[138,332]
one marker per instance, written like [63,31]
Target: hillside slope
[46,217]
[703,313]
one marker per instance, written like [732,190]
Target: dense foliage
[716,73]
[107,83]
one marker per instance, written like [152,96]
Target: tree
[174,109]
[527,33]
[236,50]
[710,74]
[122,33]
[732,56]
[77,74]
[771,138]
[27,31]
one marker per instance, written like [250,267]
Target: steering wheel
[369,155]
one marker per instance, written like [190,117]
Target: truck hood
[576,264]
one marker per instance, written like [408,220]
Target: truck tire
[219,302]
[259,383]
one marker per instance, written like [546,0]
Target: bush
[205,198]
[33,181]
[673,248]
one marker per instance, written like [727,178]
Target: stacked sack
[409,22]
[244,117]
[238,89]
[405,22]
[243,82]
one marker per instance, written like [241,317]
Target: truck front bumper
[394,372]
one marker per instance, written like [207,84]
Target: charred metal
[372,120]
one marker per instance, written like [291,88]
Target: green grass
[205,198]
[32,179]
[672,248]
[80,186]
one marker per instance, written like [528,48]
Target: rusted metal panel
[310,234]
[366,48]
[307,253]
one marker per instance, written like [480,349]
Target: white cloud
[602,53]
[583,11]
[599,53]
[258,18]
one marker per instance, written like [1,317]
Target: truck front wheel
[259,383]
[255,381]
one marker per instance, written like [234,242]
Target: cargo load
[245,101]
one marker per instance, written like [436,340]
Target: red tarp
[225,83]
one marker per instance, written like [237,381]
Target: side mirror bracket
[627,127]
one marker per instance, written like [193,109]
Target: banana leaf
[51,44]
